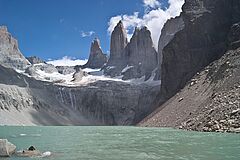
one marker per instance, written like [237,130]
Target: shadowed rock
[203,40]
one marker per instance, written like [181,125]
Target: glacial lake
[123,143]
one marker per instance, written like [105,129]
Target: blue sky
[57,28]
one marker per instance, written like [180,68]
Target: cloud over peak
[154,19]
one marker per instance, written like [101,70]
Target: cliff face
[96,58]
[99,103]
[203,40]
[118,44]
[170,28]
[135,59]
[209,100]
[52,95]
[10,55]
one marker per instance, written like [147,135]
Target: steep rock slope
[209,102]
[141,55]
[170,28]
[26,101]
[10,55]
[118,44]
[203,40]
[135,59]
[96,58]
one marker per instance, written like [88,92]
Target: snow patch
[127,68]
[91,70]
[54,77]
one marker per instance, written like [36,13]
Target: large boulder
[10,55]
[6,148]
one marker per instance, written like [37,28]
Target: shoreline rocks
[6,148]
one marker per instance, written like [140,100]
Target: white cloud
[151,3]
[67,61]
[87,34]
[154,19]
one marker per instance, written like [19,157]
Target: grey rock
[203,40]
[47,68]
[234,36]
[10,55]
[96,58]
[65,69]
[35,60]
[118,44]
[6,148]
[140,53]
[77,76]
[98,103]
[170,28]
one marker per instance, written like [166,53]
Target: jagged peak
[120,24]
[3,29]
[96,42]
[142,30]
[120,27]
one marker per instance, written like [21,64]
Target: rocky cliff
[141,55]
[42,94]
[26,101]
[209,101]
[118,43]
[203,40]
[10,55]
[135,59]
[170,28]
[96,58]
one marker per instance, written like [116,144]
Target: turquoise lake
[123,143]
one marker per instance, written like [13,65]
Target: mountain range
[191,82]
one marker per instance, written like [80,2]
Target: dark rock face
[35,60]
[203,40]
[209,102]
[134,59]
[234,36]
[141,54]
[118,44]
[96,58]
[109,103]
[10,55]
[170,28]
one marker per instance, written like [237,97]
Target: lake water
[123,143]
